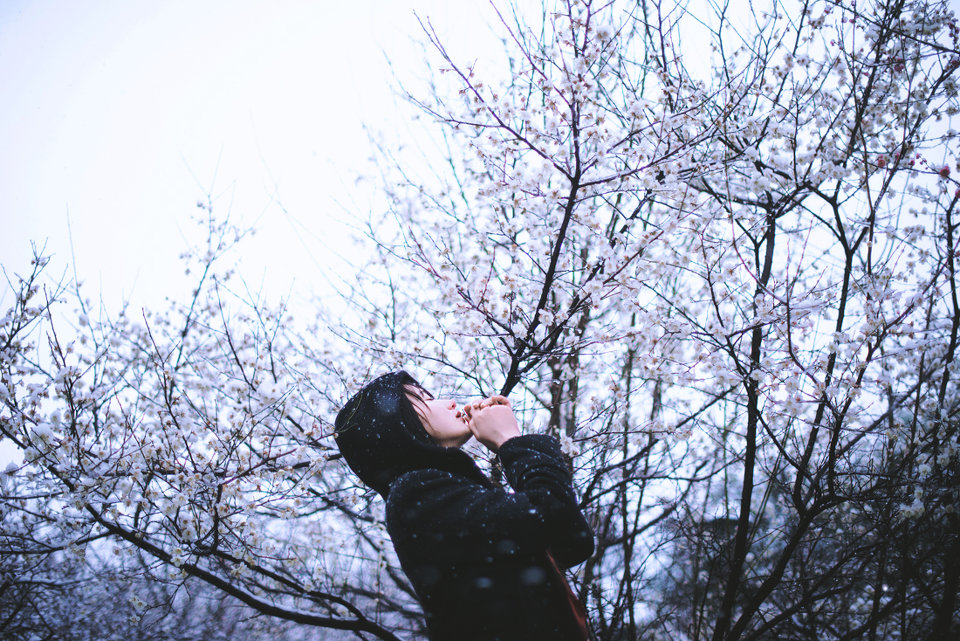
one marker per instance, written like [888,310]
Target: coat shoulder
[420,493]
[419,482]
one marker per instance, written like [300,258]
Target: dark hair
[383,396]
[381,435]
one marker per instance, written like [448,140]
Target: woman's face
[442,419]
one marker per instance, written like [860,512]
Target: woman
[485,563]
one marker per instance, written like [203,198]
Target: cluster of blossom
[841,308]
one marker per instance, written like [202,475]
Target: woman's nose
[451,404]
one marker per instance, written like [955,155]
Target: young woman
[485,564]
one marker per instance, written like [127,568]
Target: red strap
[576,607]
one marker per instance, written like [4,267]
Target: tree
[110,594]
[727,284]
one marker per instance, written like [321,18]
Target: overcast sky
[117,116]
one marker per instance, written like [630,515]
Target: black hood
[381,437]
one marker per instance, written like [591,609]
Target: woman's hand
[492,421]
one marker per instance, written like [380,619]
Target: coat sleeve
[535,468]
[542,512]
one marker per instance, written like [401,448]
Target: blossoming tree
[712,250]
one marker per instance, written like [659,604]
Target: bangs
[417,396]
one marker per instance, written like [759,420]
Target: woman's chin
[461,438]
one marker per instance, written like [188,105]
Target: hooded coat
[485,563]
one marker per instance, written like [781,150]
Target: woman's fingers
[470,409]
[492,422]
[493,400]
[499,400]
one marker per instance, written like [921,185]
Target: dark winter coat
[478,556]
[483,561]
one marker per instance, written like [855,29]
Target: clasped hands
[492,421]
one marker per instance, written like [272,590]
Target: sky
[117,117]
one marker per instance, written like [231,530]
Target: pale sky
[117,116]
